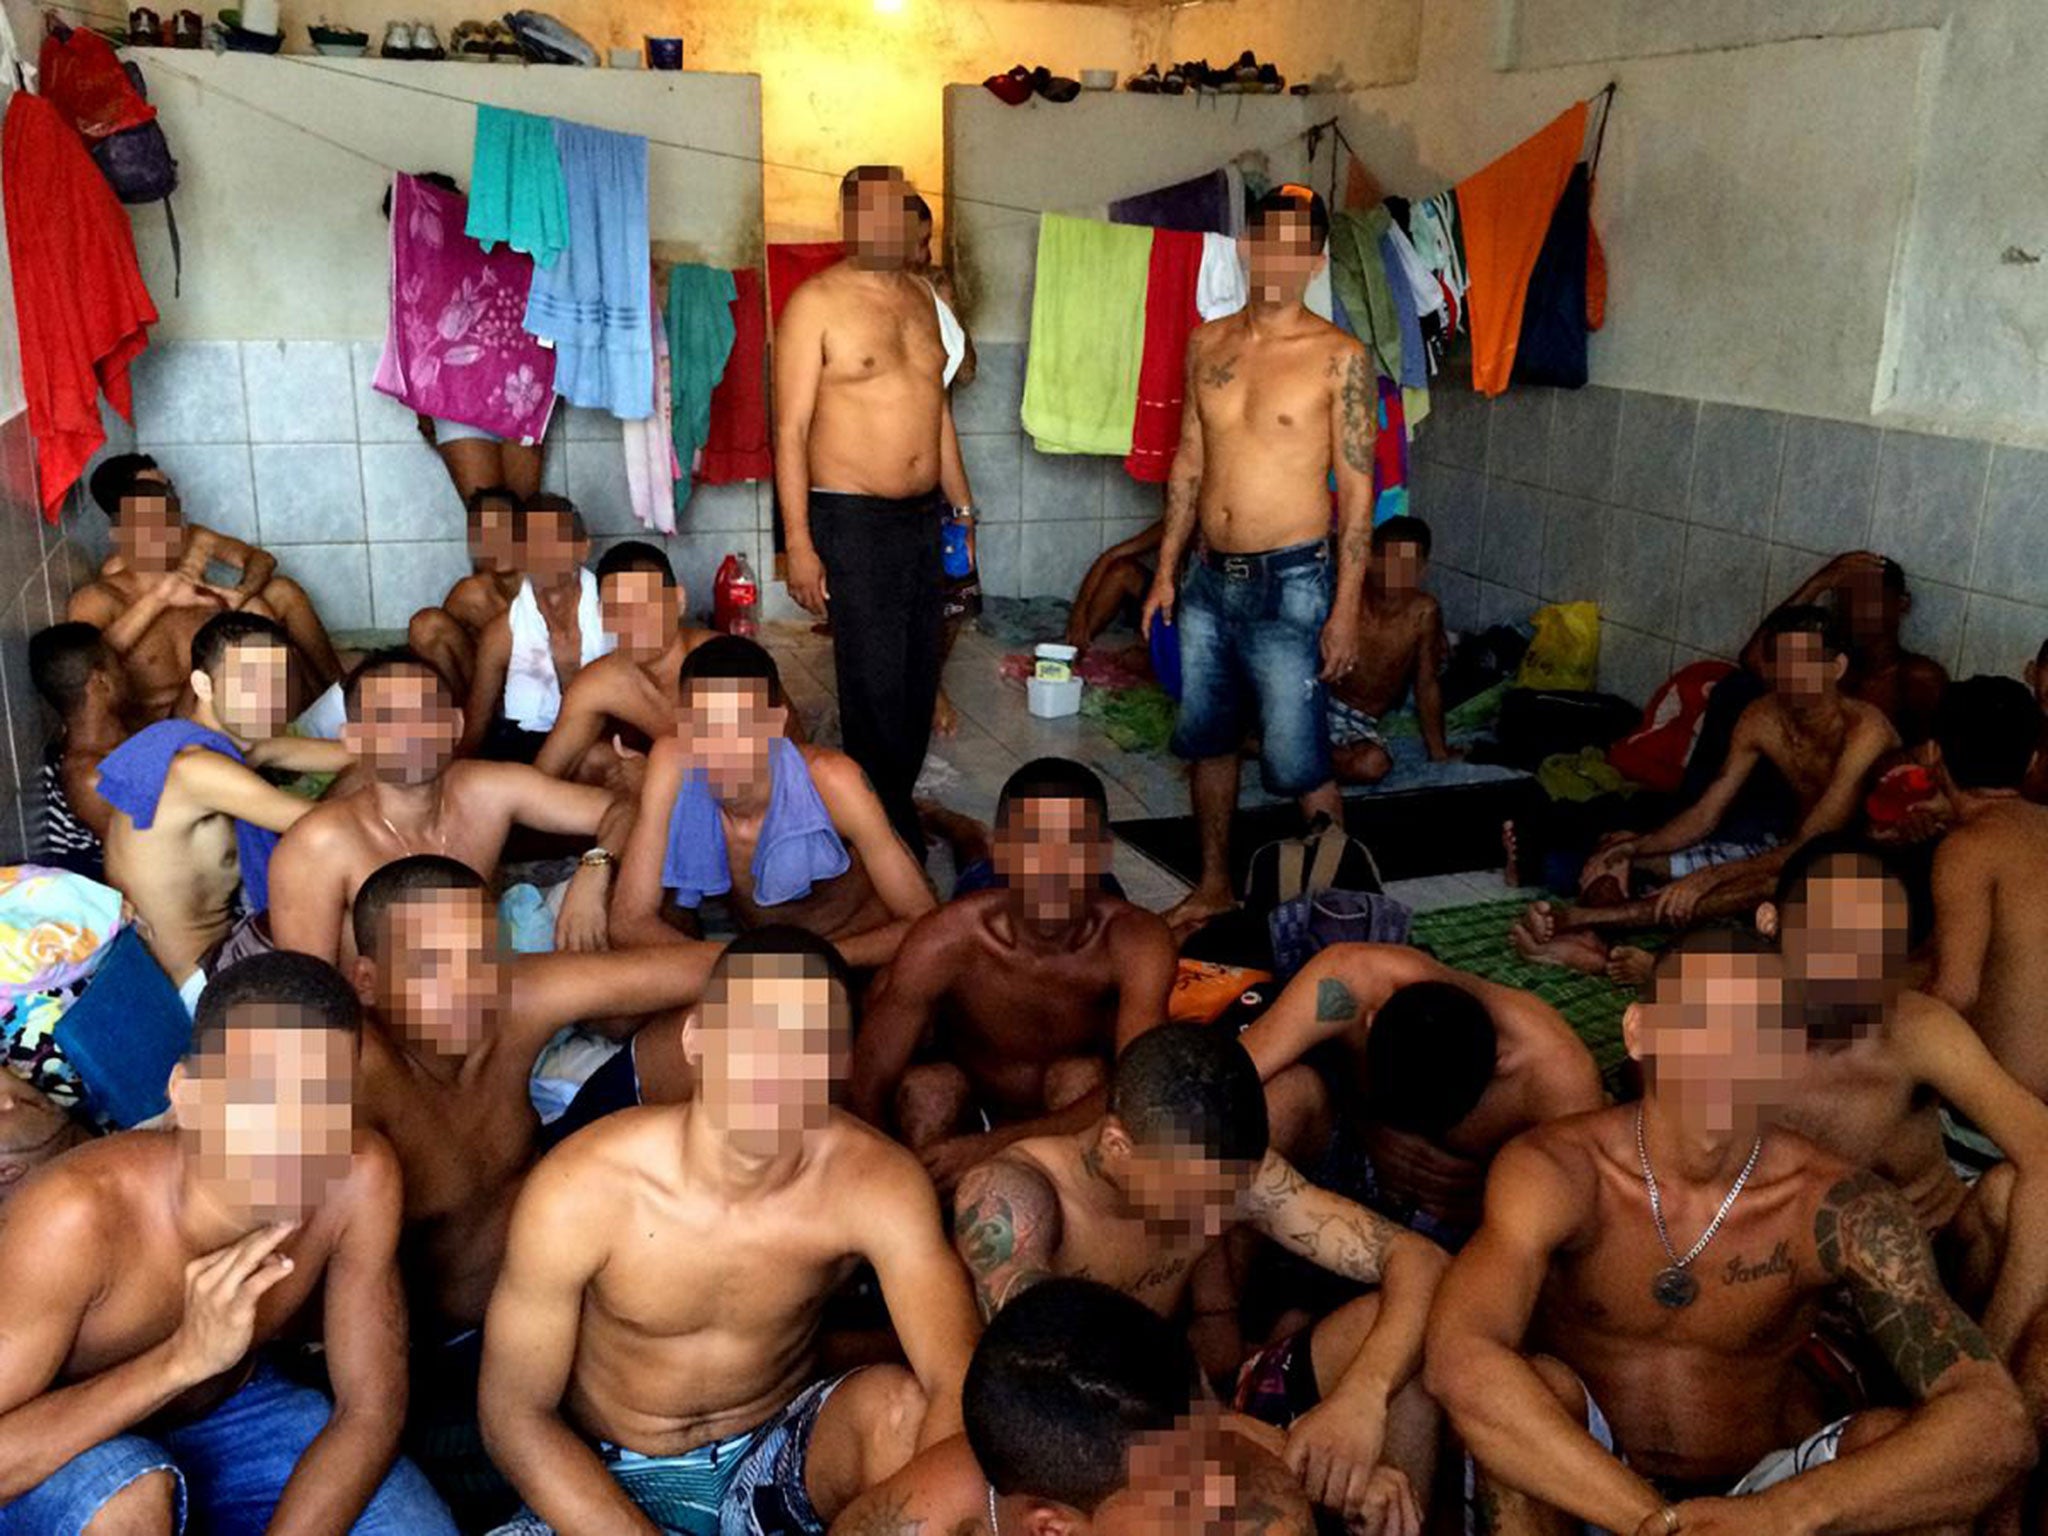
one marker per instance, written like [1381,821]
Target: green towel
[700,332]
[1359,274]
[515,185]
[1087,335]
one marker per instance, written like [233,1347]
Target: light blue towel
[799,846]
[1414,361]
[591,306]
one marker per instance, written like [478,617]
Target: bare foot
[1539,922]
[1511,873]
[1578,950]
[945,718]
[1195,909]
[1628,966]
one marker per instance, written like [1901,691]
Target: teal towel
[515,185]
[700,332]
[1087,335]
[1358,273]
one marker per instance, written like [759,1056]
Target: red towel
[736,445]
[790,263]
[1162,376]
[79,300]
[1505,210]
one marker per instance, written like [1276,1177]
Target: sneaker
[1052,87]
[145,29]
[397,41]
[1145,83]
[1174,82]
[187,30]
[1270,81]
[1243,76]
[426,42]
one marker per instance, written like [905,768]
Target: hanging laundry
[1390,455]
[592,304]
[81,310]
[1405,266]
[516,193]
[1433,231]
[1220,286]
[652,469]
[700,338]
[1359,273]
[454,345]
[790,264]
[1596,274]
[952,335]
[1504,212]
[736,444]
[1170,317]
[1552,348]
[1087,335]
[1414,360]
[1200,205]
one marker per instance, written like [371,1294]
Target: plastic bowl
[1098,79]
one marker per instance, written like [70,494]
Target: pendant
[1674,1288]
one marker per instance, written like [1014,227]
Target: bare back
[182,875]
[881,391]
[2008,847]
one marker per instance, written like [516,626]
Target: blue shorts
[1251,630]
[230,1468]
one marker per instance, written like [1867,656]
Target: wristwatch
[599,857]
[966,513]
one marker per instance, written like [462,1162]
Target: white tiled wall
[1686,520]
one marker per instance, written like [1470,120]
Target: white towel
[952,334]
[1222,287]
[533,693]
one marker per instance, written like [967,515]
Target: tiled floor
[998,734]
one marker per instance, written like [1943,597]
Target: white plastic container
[1051,701]
[1054,663]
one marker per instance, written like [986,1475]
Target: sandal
[1146,82]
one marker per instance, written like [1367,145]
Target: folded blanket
[454,346]
[132,782]
[533,689]
[1087,335]
[798,847]
[54,927]
[515,185]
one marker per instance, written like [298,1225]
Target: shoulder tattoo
[1334,1001]
[1868,1238]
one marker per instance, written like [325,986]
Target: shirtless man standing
[1824,744]
[1400,645]
[1991,876]
[130,489]
[867,466]
[1620,1343]
[1432,1072]
[1179,1160]
[446,637]
[195,826]
[1026,993]
[144,1272]
[1277,400]
[786,833]
[402,726]
[634,688]
[668,1267]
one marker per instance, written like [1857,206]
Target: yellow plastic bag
[1565,655]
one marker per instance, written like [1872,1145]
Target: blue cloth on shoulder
[799,846]
[132,782]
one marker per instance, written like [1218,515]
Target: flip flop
[1013,87]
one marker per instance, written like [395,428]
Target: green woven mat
[1475,939]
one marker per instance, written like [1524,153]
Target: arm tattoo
[889,1517]
[1868,1238]
[1334,1001]
[995,1234]
[1331,1232]
[1361,408]
[987,1231]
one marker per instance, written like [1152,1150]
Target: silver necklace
[993,1528]
[1675,1286]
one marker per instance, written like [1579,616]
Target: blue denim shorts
[230,1467]
[1251,630]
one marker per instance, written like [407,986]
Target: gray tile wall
[1685,520]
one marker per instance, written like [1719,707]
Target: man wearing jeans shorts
[1277,399]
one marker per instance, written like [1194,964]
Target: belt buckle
[1237,568]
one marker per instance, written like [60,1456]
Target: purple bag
[138,165]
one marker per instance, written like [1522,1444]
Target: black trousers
[884,570]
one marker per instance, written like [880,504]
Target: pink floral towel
[456,346]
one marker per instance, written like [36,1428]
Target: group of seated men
[876,1214]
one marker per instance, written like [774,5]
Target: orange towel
[1505,211]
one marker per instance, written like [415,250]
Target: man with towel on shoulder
[1276,400]
[867,467]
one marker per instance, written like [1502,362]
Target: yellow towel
[1087,335]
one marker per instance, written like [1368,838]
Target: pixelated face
[639,612]
[1714,1040]
[1844,936]
[492,545]
[771,1042]
[1196,1479]
[151,533]
[727,724]
[551,549]
[252,689]
[32,1131]
[406,726]
[1801,670]
[1182,1192]
[1402,566]
[271,1114]
[1052,853]
[1280,257]
[441,977]
[1871,609]
[881,225]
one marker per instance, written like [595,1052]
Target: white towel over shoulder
[533,693]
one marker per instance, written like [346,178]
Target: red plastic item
[82,78]
[1655,753]
[1898,792]
[736,598]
